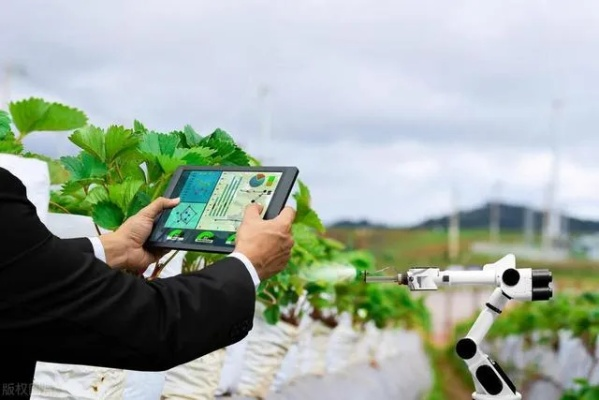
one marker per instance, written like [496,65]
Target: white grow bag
[35,175]
[388,345]
[291,368]
[232,367]
[367,345]
[313,355]
[195,380]
[342,345]
[266,348]
[81,382]
[142,385]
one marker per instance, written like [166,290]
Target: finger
[286,216]
[253,211]
[159,205]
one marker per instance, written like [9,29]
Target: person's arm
[61,304]
[95,246]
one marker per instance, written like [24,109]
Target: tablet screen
[212,205]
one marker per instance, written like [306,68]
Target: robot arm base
[490,380]
[477,396]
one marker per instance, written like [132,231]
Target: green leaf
[140,200]
[272,314]
[84,167]
[35,114]
[138,127]
[122,194]
[222,136]
[9,145]
[303,194]
[204,152]
[170,164]
[97,195]
[108,215]
[308,217]
[191,262]
[91,139]
[227,152]
[195,156]
[304,213]
[4,124]
[74,189]
[192,139]
[118,140]
[591,394]
[158,144]
[132,169]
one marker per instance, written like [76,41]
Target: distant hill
[511,217]
[355,224]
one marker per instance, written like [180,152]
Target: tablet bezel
[277,203]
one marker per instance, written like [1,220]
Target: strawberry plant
[121,170]
[34,115]
[583,391]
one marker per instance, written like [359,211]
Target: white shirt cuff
[98,248]
[248,264]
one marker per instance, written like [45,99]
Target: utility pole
[454,226]
[494,217]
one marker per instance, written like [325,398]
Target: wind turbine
[265,152]
[10,70]
[551,225]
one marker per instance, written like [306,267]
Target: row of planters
[549,349]
[314,318]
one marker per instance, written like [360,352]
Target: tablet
[212,204]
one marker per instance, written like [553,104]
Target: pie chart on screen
[257,180]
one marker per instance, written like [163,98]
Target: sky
[392,110]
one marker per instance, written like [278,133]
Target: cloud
[384,105]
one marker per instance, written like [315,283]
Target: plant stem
[159,267]
[270,296]
[118,171]
[97,229]
[59,206]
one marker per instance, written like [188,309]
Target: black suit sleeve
[82,244]
[58,303]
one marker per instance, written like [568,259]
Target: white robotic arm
[521,284]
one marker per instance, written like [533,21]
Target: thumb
[157,206]
[253,211]
[287,216]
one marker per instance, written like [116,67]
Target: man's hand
[266,243]
[124,247]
